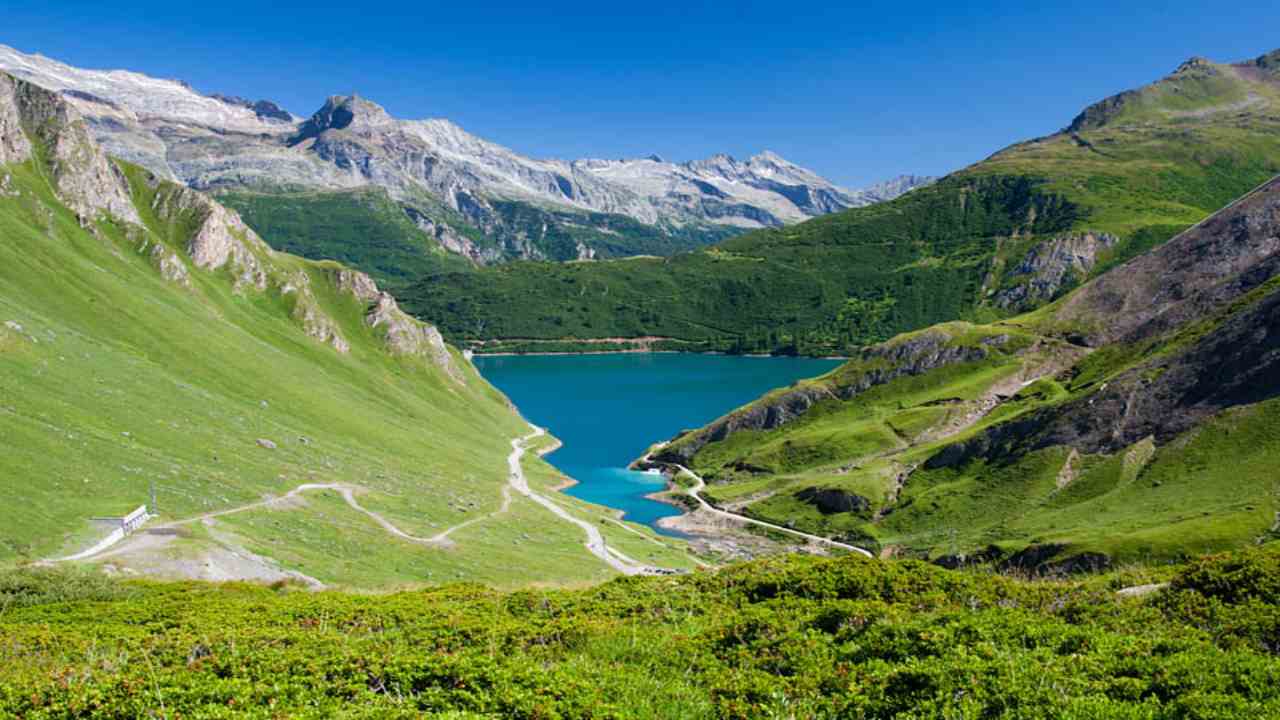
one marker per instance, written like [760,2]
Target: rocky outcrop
[1051,268]
[832,501]
[407,336]
[357,283]
[14,146]
[221,239]
[170,265]
[1233,359]
[307,312]
[452,240]
[86,181]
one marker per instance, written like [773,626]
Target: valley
[348,415]
[155,350]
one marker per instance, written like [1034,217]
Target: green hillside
[151,342]
[1131,173]
[1134,420]
[786,638]
[363,228]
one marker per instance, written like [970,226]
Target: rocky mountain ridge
[454,181]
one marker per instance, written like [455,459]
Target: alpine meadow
[326,414]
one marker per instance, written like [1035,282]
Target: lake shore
[608,407]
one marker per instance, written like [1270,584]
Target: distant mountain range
[476,198]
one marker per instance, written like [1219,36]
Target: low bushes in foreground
[788,637]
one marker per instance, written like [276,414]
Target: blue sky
[857,91]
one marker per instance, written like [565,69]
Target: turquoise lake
[608,409]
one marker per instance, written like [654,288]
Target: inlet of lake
[609,408]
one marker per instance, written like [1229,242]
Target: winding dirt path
[595,543]
[695,492]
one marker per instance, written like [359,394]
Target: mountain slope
[475,197]
[1135,419]
[151,342]
[1003,236]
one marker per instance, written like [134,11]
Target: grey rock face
[171,267]
[221,239]
[86,181]
[221,142]
[410,337]
[358,284]
[14,146]
[1220,259]
[306,311]
[1052,267]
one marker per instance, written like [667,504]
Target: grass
[787,637]
[121,381]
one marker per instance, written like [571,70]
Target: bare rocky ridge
[222,142]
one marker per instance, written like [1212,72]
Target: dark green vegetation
[367,229]
[1154,162]
[1136,419]
[786,638]
[363,228]
[560,235]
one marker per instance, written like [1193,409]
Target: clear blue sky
[856,91]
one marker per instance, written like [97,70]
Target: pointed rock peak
[1194,64]
[656,158]
[771,158]
[342,112]
[1269,62]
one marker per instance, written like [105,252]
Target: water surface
[607,409]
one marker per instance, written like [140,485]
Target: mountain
[473,197]
[997,238]
[1133,420]
[282,417]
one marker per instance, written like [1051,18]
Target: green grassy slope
[1150,436]
[941,253]
[117,378]
[786,638]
